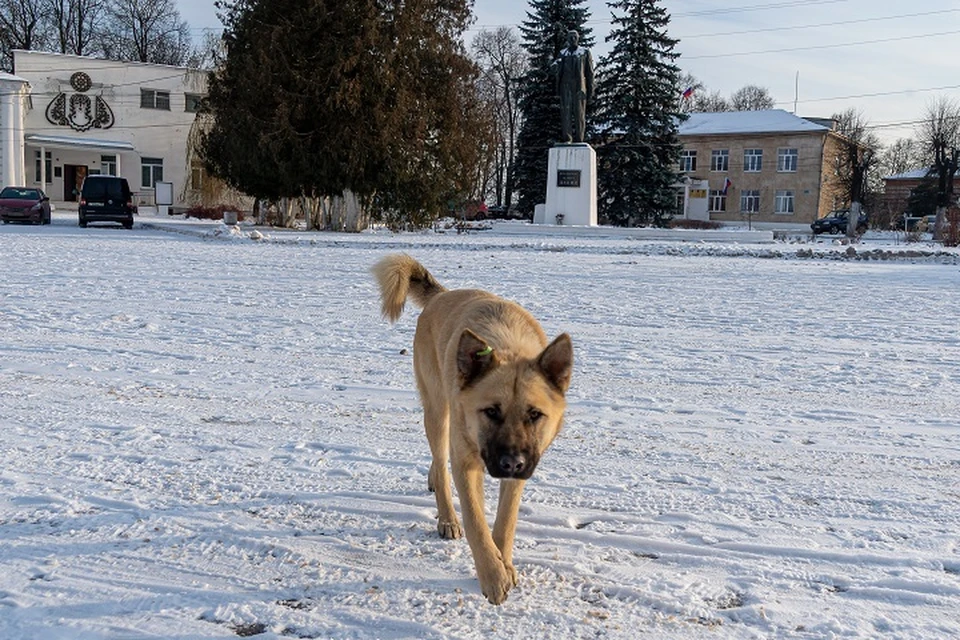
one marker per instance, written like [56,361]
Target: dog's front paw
[496,581]
[449,530]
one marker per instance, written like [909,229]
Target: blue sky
[888,59]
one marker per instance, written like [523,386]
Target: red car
[24,204]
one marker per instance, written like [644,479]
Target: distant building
[897,188]
[64,117]
[768,166]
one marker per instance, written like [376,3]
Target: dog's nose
[512,464]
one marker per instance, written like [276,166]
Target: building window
[752,160]
[193,102]
[48,168]
[718,201]
[750,201]
[196,175]
[784,202]
[720,160]
[108,165]
[152,99]
[151,172]
[787,160]
[688,160]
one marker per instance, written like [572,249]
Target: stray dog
[493,398]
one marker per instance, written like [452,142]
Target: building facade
[762,166]
[77,116]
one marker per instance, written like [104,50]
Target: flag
[687,92]
[727,183]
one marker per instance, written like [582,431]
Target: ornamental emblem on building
[77,110]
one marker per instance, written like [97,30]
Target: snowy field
[212,437]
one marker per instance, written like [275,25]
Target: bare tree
[901,156]
[503,61]
[147,31]
[206,54]
[751,98]
[696,98]
[76,24]
[21,27]
[852,176]
[939,136]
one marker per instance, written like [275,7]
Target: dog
[493,395]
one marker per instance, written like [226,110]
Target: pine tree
[638,105]
[544,34]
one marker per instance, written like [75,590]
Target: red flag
[727,183]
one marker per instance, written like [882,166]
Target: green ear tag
[485,351]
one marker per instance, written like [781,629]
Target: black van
[106,199]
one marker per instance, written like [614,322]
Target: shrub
[683,223]
[212,213]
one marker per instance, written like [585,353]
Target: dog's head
[513,409]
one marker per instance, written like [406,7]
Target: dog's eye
[493,413]
[533,415]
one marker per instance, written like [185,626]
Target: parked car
[907,222]
[501,212]
[24,204]
[836,222]
[473,210]
[106,199]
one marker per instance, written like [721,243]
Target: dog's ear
[474,357]
[556,362]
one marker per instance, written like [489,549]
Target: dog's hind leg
[436,420]
[506,524]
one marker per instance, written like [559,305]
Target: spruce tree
[638,106]
[544,34]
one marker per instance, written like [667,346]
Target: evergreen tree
[638,106]
[324,98]
[544,34]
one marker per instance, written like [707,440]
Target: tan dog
[493,397]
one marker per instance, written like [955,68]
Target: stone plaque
[568,177]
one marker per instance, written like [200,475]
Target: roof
[918,174]
[9,77]
[66,142]
[732,122]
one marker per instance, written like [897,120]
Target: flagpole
[796,92]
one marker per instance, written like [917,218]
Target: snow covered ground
[205,435]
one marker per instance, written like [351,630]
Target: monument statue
[574,76]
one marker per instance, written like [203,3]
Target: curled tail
[400,277]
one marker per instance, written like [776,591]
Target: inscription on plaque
[568,177]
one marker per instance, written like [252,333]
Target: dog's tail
[400,277]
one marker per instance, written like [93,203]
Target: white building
[86,116]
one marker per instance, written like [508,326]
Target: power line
[816,26]
[823,46]
[755,7]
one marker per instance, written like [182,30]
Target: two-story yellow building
[765,166]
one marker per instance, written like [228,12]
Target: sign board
[698,193]
[568,177]
[164,193]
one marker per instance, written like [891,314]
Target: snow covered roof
[914,174]
[9,77]
[730,122]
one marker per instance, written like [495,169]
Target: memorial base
[571,186]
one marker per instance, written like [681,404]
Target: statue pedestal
[571,186]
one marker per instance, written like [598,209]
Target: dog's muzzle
[506,463]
